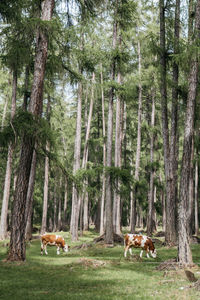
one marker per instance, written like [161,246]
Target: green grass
[93,273]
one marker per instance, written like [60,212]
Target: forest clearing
[95,272]
[99,143]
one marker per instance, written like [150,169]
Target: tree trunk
[104,158]
[151,185]
[170,233]
[116,200]
[59,209]
[29,200]
[46,180]
[77,152]
[184,252]
[108,196]
[138,150]
[65,205]
[17,250]
[6,192]
[54,208]
[196,201]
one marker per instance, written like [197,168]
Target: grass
[93,273]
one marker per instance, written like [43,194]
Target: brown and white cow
[53,240]
[139,241]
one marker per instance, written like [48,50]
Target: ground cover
[94,272]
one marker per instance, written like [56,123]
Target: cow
[139,241]
[53,240]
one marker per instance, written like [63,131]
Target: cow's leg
[45,249]
[141,253]
[147,253]
[130,251]
[42,247]
[58,250]
[125,250]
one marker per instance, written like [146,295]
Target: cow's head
[66,248]
[153,253]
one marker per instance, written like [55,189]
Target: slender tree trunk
[151,186]
[55,208]
[26,84]
[59,208]
[138,150]
[46,179]
[196,200]
[65,205]
[6,192]
[116,200]
[77,152]
[85,209]
[108,196]
[184,252]
[104,158]
[17,250]
[29,200]
[170,233]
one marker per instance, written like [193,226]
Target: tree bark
[6,192]
[108,197]
[184,252]
[138,150]
[29,200]
[17,249]
[77,152]
[104,158]
[46,179]
[118,137]
[196,200]
[170,233]
[151,185]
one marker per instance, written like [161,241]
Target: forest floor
[94,272]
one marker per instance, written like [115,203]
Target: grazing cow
[139,241]
[53,240]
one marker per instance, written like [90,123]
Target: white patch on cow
[143,241]
[57,236]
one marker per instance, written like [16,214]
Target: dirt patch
[170,264]
[91,263]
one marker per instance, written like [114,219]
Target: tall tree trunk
[196,215]
[151,185]
[46,179]
[59,207]
[170,233]
[118,137]
[65,205]
[138,150]
[108,197]
[184,252]
[77,152]
[26,94]
[29,200]
[104,158]
[17,249]
[6,192]
[55,209]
